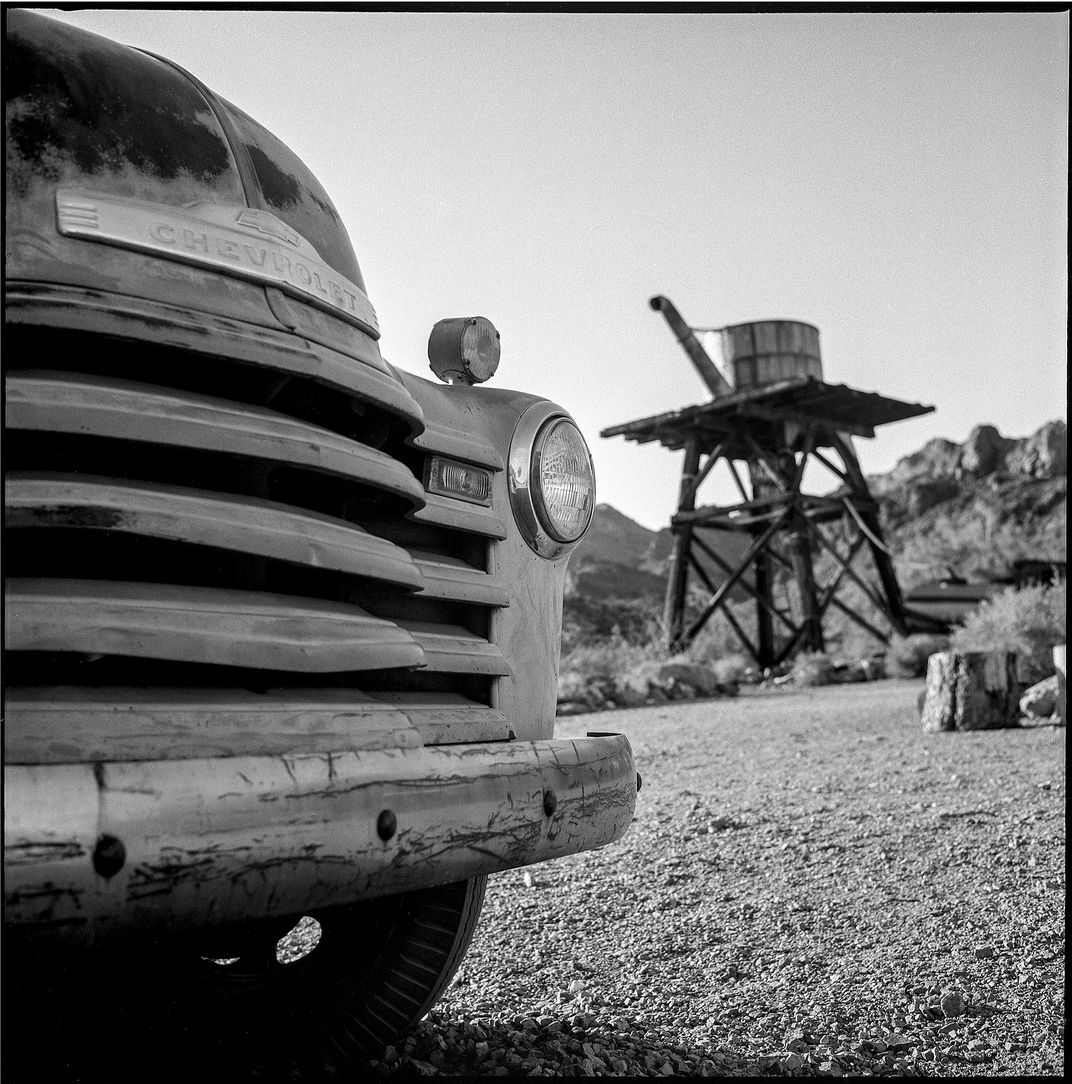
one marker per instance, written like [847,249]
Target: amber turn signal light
[449,478]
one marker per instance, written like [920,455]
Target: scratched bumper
[91,850]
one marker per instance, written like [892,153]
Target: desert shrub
[634,685]
[609,658]
[907,655]
[811,668]
[585,621]
[571,685]
[730,668]
[1028,622]
[846,639]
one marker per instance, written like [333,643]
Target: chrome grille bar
[206,625]
[60,403]
[120,723]
[245,525]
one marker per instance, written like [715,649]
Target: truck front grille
[185,522]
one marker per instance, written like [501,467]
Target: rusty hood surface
[130,182]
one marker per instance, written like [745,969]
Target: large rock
[848,673]
[602,692]
[936,458]
[679,690]
[812,669]
[984,451]
[702,679]
[1040,701]
[572,707]
[1044,454]
[631,692]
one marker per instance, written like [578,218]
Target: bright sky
[898,180]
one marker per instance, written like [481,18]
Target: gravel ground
[811,886]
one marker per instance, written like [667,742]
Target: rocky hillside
[976,507]
[619,559]
[971,508]
[617,552]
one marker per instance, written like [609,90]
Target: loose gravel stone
[953,1003]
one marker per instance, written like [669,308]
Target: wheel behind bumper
[348,982]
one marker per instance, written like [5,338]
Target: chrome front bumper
[95,849]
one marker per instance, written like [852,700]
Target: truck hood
[127,177]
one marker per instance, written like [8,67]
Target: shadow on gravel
[108,1045]
[499,1048]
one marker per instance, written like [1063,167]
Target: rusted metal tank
[767,351]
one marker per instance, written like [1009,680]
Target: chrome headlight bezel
[526,495]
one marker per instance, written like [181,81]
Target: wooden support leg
[764,606]
[800,554]
[868,518]
[678,572]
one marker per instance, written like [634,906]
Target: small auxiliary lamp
[464,350]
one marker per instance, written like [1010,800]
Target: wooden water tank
[771,350]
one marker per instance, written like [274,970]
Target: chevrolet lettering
[212,236]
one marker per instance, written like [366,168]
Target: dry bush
[1029,622]
[587,621]
[634,665]
[731,668]
[811,668]
[846,640]
[907,655]
[611,658]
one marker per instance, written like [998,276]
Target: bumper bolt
[550,802]
[386,825]
[109,855]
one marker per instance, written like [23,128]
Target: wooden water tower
[772,413]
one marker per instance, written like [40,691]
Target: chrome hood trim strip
[245,242]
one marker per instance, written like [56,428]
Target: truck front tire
[258,1003]
[374,971]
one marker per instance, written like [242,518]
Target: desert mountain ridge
[970,508]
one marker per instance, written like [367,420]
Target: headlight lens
[552,484]
[563,483]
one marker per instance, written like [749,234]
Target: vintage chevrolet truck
[281,620]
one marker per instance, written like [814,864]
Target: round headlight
[552,484]
[563,483]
